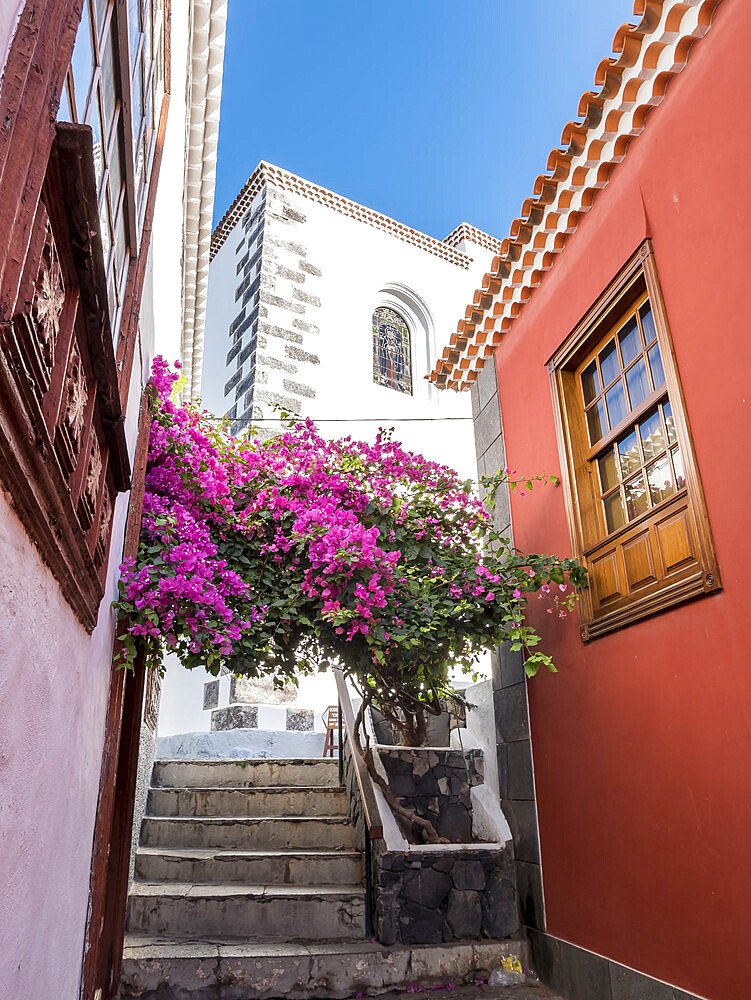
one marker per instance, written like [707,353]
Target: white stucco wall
[181,709]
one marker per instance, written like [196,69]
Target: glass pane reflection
[596,421]
[134,23]
[669,423]
[630,342]
[106,232]
[617,406]
[628,449]
[112,297]
[98,150]
[609,364]
[101,10]
[82,63]
[109,76]
[636,497]
[590,382]
[648,323]
[608,473]
[638,383]
[655,363]
[652,438]
[660,479]
[614,511]
[63,111]
[680,478]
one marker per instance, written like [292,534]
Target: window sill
[695,585]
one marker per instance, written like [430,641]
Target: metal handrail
[371,812]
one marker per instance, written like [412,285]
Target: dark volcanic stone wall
[424,897]
[436,785]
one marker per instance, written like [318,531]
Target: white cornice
[268,173]
[204,93]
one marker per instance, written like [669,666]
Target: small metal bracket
[712,579]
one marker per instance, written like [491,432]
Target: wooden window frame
[63,452]
[618,596]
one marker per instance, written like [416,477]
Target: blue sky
[431,111]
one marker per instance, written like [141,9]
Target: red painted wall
[642,742]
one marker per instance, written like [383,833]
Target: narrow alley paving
[532,990]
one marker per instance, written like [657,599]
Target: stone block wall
[435,784]
[429,896]
[515,768]
[272,352]
[289,302]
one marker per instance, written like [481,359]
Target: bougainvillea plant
[275,557]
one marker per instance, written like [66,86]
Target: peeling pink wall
[54,683]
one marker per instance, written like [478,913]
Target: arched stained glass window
[392,356]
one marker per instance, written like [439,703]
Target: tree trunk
[428,831]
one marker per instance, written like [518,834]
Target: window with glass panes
[109,57]
[638,457]
[634,498]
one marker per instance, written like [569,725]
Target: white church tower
[331,310]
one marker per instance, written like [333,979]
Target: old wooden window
[115,84]
[635,503]
[63,454]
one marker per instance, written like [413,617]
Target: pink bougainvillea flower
[262,555]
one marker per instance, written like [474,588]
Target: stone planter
[448,894]
[435,783]
[426,894]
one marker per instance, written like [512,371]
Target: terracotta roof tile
[648,56]
[466,232]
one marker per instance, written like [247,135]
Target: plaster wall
[54,687]
[642,747]
[53,691]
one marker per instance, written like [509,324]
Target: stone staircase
[249,886]
[259,850]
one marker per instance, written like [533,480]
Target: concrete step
[221,969]
[261,772]
[254,834]
[277,800]
[264,912]
[343,868]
